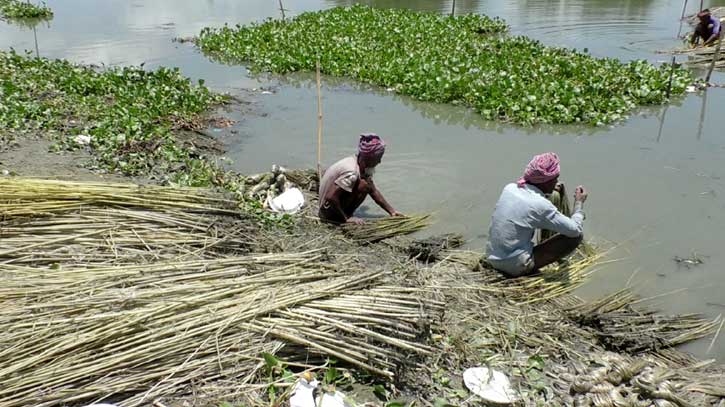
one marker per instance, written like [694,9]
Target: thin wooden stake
[662,122]
[715,57]
[35,36]
[684,7]
[703,107]
[319,124]
[682,19]
[281,9]
[672,73]
[453,8]
[701,5]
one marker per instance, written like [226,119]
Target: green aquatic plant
[125,116]
[128,119]
[23,9]
[464,60]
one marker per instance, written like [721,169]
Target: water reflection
[701,122]
[437,113]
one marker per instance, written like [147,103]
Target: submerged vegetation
[460,60]
[125,115]
[24,9]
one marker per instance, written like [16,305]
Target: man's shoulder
[347,164]
[537,201]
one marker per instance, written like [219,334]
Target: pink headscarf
[370,146]
[541,169]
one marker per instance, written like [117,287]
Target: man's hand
[396,213]
[580,195]
[560,188]
[355,221]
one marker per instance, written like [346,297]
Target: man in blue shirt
[708,29]
[521,210]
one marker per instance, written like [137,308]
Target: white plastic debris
[336,399]
[302,396]
[290,201]
[82,139]
[491,385]
[690,89]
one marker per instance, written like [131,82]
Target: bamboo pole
[703,107]
[662,122]
[35,36]
[453,8]
[715,57]
[684,6]
[319,124]
[701,5]
[281,9]
[672,73]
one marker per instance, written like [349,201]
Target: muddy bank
[301,299]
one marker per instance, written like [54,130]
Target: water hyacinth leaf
[127,113]
[23,9]
[270,360]
[465,60]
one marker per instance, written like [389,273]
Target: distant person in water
[346,184]
[525,207]
[708,29]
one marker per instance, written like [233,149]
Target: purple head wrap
[370,146]
[542,168]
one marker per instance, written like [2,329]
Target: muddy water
[657,181]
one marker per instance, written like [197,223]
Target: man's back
[512,224]
[519,212]
[344,173]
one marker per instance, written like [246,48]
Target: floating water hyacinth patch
[24,9]
[463,60]
[125,116]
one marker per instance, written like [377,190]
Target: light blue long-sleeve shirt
[715,21]
[519,212]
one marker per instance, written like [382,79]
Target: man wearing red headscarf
[524,208]
[346,184]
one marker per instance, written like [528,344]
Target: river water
[656,181]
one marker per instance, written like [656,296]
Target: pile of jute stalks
[126,293]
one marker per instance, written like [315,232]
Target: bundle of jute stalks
[23,197]
[137,332]
[124,293]
[379,229]
[47,222]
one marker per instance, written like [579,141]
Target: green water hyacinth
[465,60]
[127,113]
[23,9]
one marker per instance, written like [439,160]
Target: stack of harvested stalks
[138,332]
[22,197]
[532,329]
[141,307]
[52,222]
[552,282]
[376,230]
[622,328]
[121,235]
